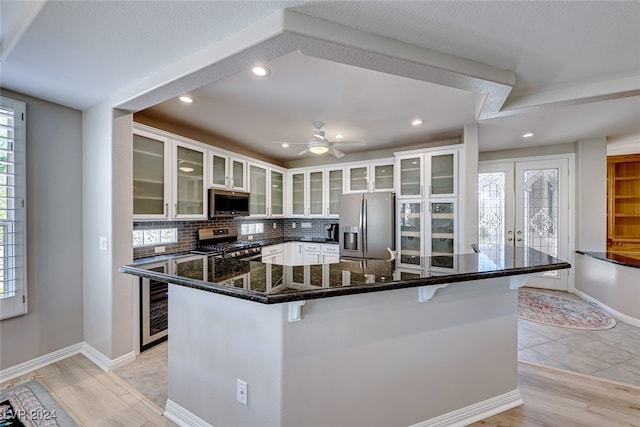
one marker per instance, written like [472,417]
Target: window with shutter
[13,249]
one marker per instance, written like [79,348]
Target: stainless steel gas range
[223,242]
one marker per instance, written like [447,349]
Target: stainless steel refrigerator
[367,225]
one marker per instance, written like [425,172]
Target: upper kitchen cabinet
[428,173]
[370,176]
[151,176]
[188,189]
[334,188]
[227,172]
[266,189]
[168,177]
[307,193]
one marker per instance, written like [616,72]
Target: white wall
[54,239]
[468,174]
[591,194]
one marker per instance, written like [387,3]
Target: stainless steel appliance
[367,223]
[223,242]
[223,203]
[331,232]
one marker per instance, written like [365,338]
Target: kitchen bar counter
[628,259]
[405,356]
[271,283]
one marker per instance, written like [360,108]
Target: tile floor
[612,354]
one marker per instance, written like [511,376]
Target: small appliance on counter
[331,232]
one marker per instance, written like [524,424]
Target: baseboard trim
[39,362]
[476,412]
[183,417]
[621,316]
[102,361]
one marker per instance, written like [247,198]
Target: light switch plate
[104,243]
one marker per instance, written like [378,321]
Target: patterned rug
[564,312]
[30,405]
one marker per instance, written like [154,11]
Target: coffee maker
[331,233]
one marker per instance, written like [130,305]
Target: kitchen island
[345,344]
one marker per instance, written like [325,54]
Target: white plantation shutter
[12,208]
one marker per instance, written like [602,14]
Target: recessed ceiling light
[339,136]
[285,145]
[417,122]
[261,70]
[527,135]
[186,99]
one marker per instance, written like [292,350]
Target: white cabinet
[293,253]
[428,174]
[227,172]
[334,188]
[266,191]
[168,177]
[307,193]
[273,254]
[410,232]
[320,253]
[370,176]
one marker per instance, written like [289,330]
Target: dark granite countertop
[630,259]
[274,283]
[276,241]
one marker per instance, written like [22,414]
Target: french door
[526,203]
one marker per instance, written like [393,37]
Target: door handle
[519,239]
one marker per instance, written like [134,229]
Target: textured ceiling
[563,54]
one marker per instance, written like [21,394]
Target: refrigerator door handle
[364,226]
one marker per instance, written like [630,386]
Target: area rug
[30,405]
[564,312]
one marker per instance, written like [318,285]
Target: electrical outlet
[305,225]
[241,391]
[250,237]
[275,226]
[293,225]
[159,249]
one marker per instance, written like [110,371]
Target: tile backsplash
[187,231]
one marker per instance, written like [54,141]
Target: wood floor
[552,398]
[94,398]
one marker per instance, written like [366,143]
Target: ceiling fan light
[318,149]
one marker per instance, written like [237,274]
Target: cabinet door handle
[232,183]
[226,181]
[421,190]
[175,209]
[429,190]
[166,210]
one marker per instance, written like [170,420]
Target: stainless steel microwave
[224,203]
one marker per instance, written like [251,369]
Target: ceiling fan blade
[300,153]
[289,142]
[335,153]
[353,143]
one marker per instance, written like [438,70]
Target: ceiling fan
[319,144]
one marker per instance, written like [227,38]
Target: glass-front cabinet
[227,172]
[308,193]
[151,176]
[443,170]
[370,176]
[410,175]
[168,177]
[189,187]
[334,189]
[266,191]
[410,233]
[442,239]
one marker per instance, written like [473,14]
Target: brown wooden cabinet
[623,196]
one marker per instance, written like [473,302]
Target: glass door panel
[358,179]
[410,177]
[410,220]
[258,190]
[297,194]
[316,200]
[442,228]
[190,181]
[383,177]
[218,171]
[277,202]
[442,174]
[540,214]
[495,220]
[148,176]
[237,174]
[335,191]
